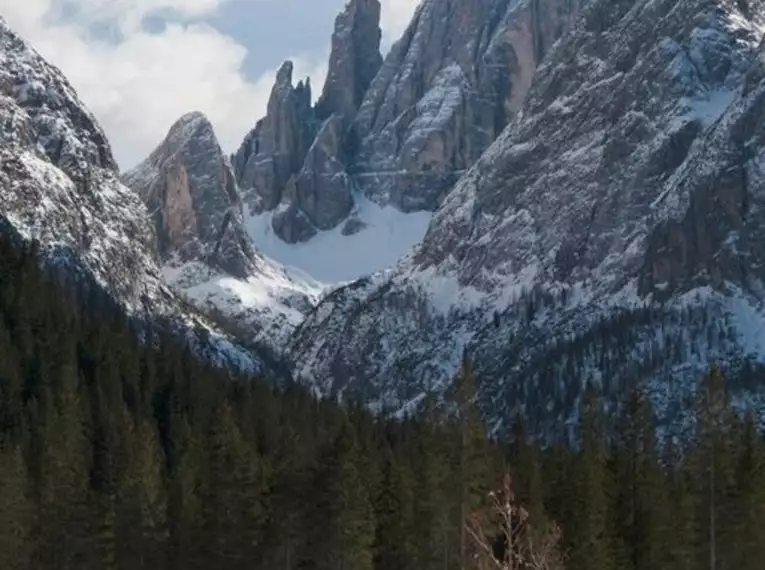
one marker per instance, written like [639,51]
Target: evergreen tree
[343,523]
[16,511]
[395,548]
[746,528]
[141,502]
[712,465]
[642,515]
[66,522]
[589,534]
[471,468]
[436,547]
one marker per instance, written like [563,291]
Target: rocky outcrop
[612,233]
[407,130]
[319,196]
[275,149]
[354,60]
[58,180]
[189,188]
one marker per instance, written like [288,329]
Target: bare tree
[512,541]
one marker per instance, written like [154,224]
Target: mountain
[611,234]
[207,256]
[59,186]
[587,176]
[400,132]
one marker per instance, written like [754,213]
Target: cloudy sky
[141,64]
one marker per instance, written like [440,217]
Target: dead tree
[513,543]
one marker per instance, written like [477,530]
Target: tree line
[119,449]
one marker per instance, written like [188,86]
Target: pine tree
[16,511]
[66,523]
[590,541]
[395,548]
[343,522]
[713,463]
[746,529]
[642,497]
[183,493]
[231,498]
[433,497]
[141,503]
[471,468]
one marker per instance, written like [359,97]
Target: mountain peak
[284,74]
[193,118]
[187,182]
[354,60]
[53,114]
[191,127]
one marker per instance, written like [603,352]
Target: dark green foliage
[120,453]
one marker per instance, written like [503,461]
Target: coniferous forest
[121,450]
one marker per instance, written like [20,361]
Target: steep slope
[400,137]
[612,233]
[207,256]
[59,185]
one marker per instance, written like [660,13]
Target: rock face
[446,91]
[320,194]
[59,185]
[188,186]
[275,149]
[58,179]
[612,233]
[403,133]
[354,60]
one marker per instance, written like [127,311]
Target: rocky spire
[275,149]
[189,188]
[354,61]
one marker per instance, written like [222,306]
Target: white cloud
[140,84]
[396,15]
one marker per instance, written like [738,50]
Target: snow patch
[333,258]
[710,108]
[750,324]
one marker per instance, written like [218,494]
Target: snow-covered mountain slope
[207,256]
[59,185]
[611,234]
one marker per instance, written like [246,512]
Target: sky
[141,64]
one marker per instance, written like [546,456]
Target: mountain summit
[189,189]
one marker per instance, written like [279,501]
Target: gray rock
[59,186]
[354,60]
[188,186]
[446,91]
[295,157]
[320,195]
[274,151]
[353,225]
